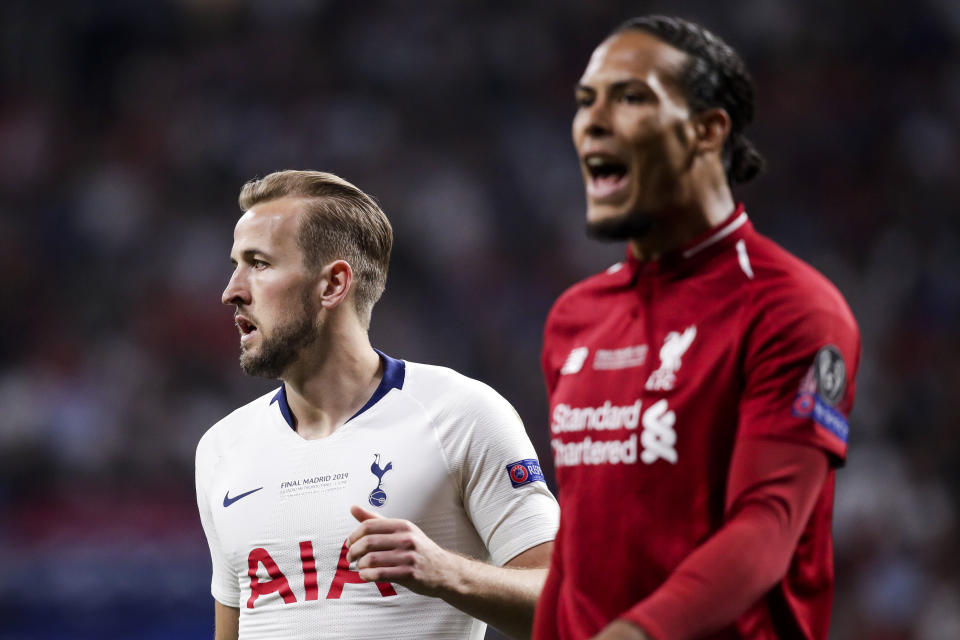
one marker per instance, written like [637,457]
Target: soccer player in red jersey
[699,390]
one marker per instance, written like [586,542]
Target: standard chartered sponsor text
[589,451]
[657,440]
[602,418]
[606,417]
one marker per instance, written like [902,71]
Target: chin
[617,224]
[603,213]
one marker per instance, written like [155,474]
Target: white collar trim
[717,237]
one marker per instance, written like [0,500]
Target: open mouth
[246,327]
[608,175]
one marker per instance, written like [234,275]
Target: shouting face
[633,134]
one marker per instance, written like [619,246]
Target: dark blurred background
[127,129]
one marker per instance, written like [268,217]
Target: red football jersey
[654,371]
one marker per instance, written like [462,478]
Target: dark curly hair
[714,76]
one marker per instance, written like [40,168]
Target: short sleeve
[223,585]
[503,488]
[799,375]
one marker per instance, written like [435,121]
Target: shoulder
[442,390]
[476,428]
[787,287]
[232,428]
[570,307]
[793,307]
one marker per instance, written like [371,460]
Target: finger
[400,575]
[380,525]
[362,514]
[391,558]
[379,542]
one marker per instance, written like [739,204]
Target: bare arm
[226,622]
[505,597]
[394,550]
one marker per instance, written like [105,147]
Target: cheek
[661,147]
[278,284]
[576,129]
[652,153]
[678,141]
[273,297]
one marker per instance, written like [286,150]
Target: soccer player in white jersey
[456,524]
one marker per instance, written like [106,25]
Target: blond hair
[341,223]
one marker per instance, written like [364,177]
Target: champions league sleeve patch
[525,472]
[821,389]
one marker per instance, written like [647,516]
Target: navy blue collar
[393,374]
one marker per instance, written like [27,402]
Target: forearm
[504,597]
[772,487]
[395,550]
[718,581]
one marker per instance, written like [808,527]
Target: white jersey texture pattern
[431,446]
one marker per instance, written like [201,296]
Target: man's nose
[596,120]
[236,292]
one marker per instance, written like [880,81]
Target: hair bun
[745,161]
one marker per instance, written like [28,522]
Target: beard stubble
[280,350]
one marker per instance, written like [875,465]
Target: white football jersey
[431,446]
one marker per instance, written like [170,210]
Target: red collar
[696,250]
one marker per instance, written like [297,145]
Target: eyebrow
[250,254]
[619,85]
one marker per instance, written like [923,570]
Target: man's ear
[336,281]
[712,128]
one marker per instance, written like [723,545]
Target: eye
[583,100]
[258,264]
[635,97]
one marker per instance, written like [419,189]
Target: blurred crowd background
[127,129]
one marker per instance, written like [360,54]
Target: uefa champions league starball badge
[378,496]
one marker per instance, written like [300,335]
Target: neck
[709,203]
[332,380]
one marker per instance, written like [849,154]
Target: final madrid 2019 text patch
[524,472]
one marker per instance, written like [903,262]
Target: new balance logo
[575,361]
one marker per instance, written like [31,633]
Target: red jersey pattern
[654,372]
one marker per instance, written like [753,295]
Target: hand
[394,550]
[621,630]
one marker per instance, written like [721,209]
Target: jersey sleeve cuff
[526,532]
[507,554]
[225,598]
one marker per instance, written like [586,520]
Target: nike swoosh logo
[227,500]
